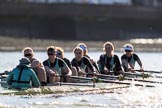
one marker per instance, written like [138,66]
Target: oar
[111,81]
[139,74]
[103,75]
[4,73]
[3,82]
[109,76]
[121,78]
[85,78]
[149,71]
[72,84]
[3,76]
[142,80]
[142,74]
[149,81]
[125,74]
[127,83]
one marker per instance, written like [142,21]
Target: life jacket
[20,75]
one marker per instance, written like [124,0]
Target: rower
[80,62]
[55,67]
[129,58]
[60,54]
[36,65]
[109,62]
[85,54]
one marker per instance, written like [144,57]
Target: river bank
[17,44]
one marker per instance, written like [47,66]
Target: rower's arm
[34,79]
[74,64]
[89,64]
[65,68]
[101,64]
[118,65]
[96,66]
[140,64]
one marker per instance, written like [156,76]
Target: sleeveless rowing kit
[111,63]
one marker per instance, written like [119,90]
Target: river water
[121,98]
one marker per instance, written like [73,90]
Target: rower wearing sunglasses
[60,54]
[36,65]
[56,68]
[129,58]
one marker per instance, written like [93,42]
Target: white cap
[128,47]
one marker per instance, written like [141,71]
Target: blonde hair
[108,43]
[60,49]
[27,50]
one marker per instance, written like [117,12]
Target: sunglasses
[128,51]
[27,55]
[59,53]
[77,53]
[108,48]
[51,53]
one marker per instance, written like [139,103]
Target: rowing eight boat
[53,88]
